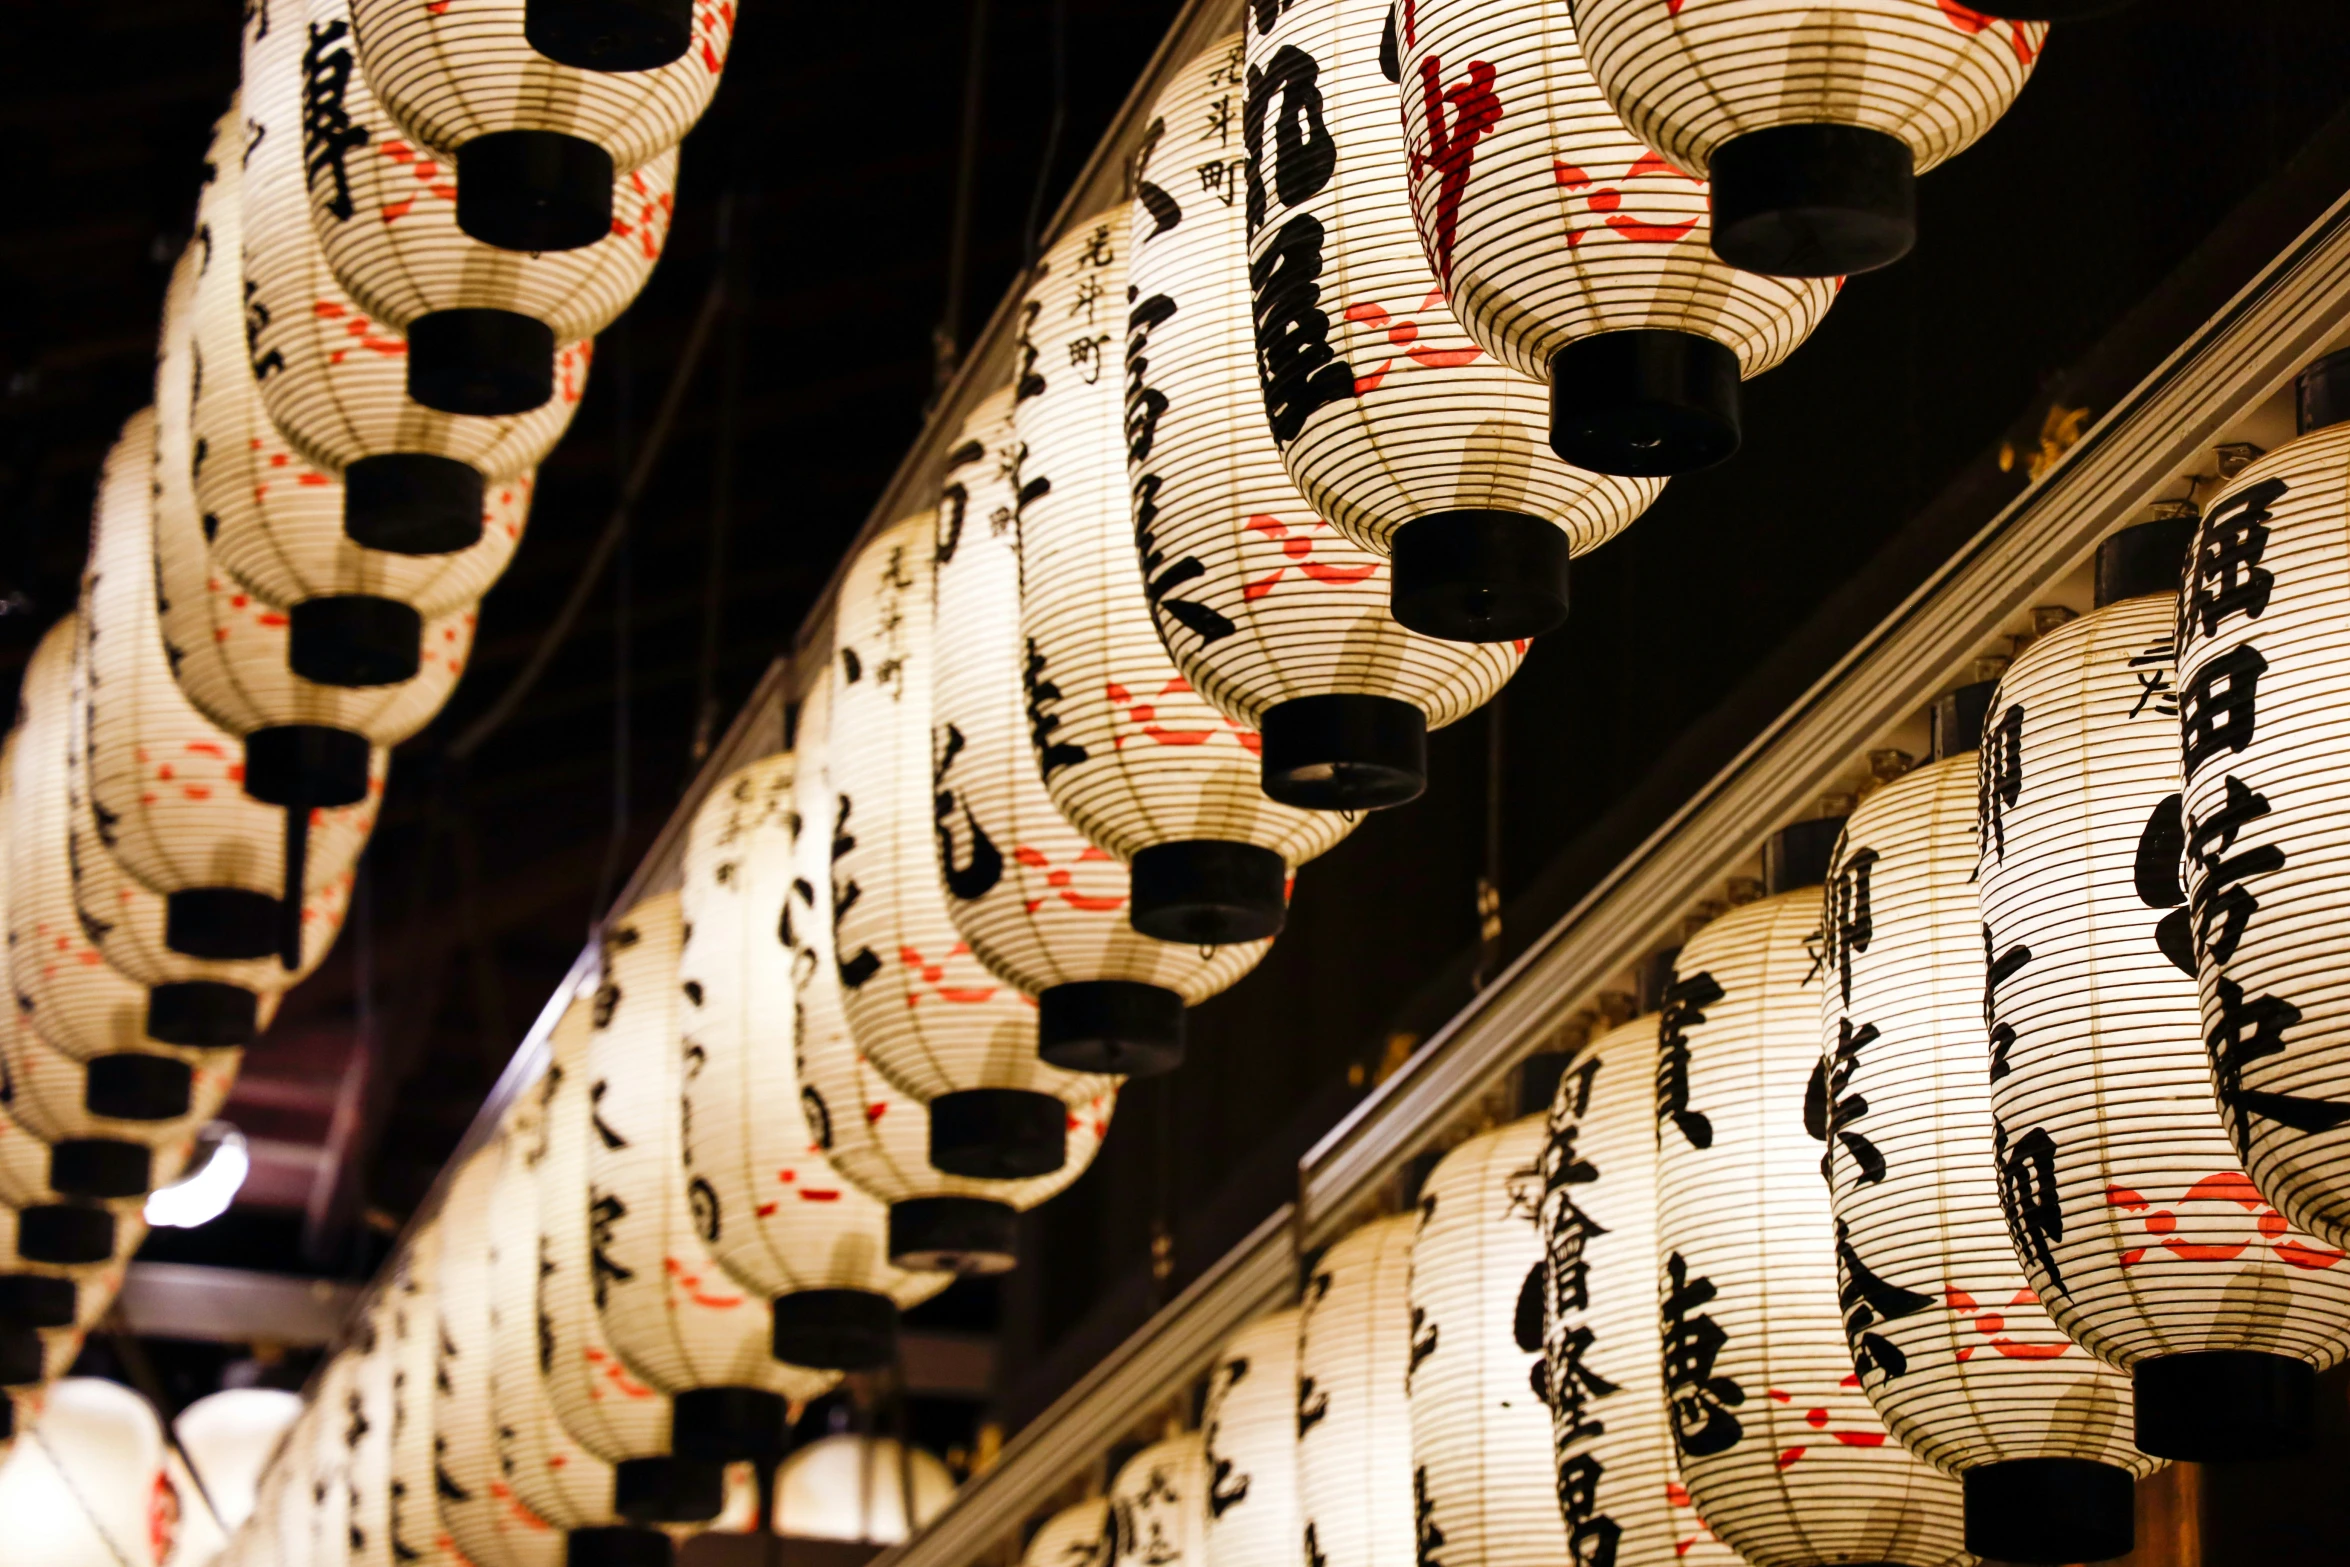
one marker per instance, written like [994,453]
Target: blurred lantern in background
[87,1487]
[1248,1433]
[1076,1536]
[859,1488]
[229,1438]
[1159,1505]
[412,1516]
[1355,1490]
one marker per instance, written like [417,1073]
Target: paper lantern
[1132,756]
[90,1490]
[670,1313]
[604,1406]
[1039,905]
[1076,1536]
[373,1409]
[1781,1453]
[1249,1437]
[333,378]
[875,1136]
[335,1394]
[2258,688]
[1159,1505]
[920,1005]
[55,1147]
[537,116]
[859,1488]
[482,324]
[1812,121]
[413,1531]
[2131,1214]
[61,1266]
[1397,428]
[771,1211]
[1951,1344]
[1354,1424]
[229,1438]
[1574,254]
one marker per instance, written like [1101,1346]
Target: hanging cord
[1030,238]
[946,339]
[623,648]
[141,1371]
[733,260]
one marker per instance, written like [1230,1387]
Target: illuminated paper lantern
[1355,1498]
[1131,755]
[413,1531]
[1276,618]
[373,1407]
[1398,429]
[877,1137]
[1812,121]
[61,1266]
[482,323]
[857,1488]
[55,1147]
[669,1311]
[1573,253]
[229,1438]
[334,379]
[2131,1214]
[1039,905]
[1952,1347]
[337,1395]
[1249,1438]
[771,1211]
[921,1006]
[538,117]
[91,1489]
[1076,1536]
[1159,1505]
[1781,1453]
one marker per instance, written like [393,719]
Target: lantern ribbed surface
[1483,1478]
[463,69]
[669,1311]
[874,1135]
[412,1514]
[1688,77]
[385,209]
[1354,1421]
[1383,409]
[1130,753]
[48,1101]
[1611,1440]
[922,1007]
[96,1284]
[334,379]
[1249,1432]
[1259,600]
[1780,1450]
[2262,682]
[1952,1347]
[1547,220]
[2131,1214]
[774,1214]
[1039,905]
[373,1411]
[604,1406]
[1076,1536]
[338,1401]
[1159,1505]
[548,1478]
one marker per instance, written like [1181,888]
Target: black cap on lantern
[1344,752]
[20,1355]
[1957,717]
[222,923]
[36,1300]
[954,1235]
[998,1134]
[354,639]
[2321,393]
[1813,200]
[667,1490]
[2145,559]
[1798,855]
[1478,576]
[414,503]
[836,1329]
[65,1234]
[100,1167]
[2049,1510]
[617,1545]
[2215,1405]
[489,363]
[1208,892]
[303,767]
[1646,403]
[129,1086]
[723,1425]
[609,35]
[534,190]
[1117,1026]
[203,1014]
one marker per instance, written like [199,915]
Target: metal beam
[232,1305]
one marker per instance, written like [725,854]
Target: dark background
[829,163]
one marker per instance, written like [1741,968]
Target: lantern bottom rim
[1813,200]
[835,1329]
[100,1167]
[1208,892]
[202,1014]
[2050,1510]
[968,1235]
[617,1545]
[2217,1405]
[479,361]
[21,1354]
[65,1234]
[354,640]
[224,924]
[36,1300]
[998,1134]
[413,503]
[129,1086]
[1345,751]
[668,1489]
[534,190]
[728,1424]
[1644,403]
[305,765]
[1479,576]
[1116,1026]
[610,35]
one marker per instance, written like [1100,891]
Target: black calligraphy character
[1044,717]
[1998,968]
[854,971]
[1226,1490]
[1452,147]
[1286,90]
[1700,1401]
[2251,1029]
[2156,668]
[975,877]
[1999,778]
[1164,210]
[702,1197]
[328,136]
[605,1210]
[2225,577]
[1829,1111]
[954,503]
[2221,905]
[2029,1197]
[1568,1386]
[611,1139]
[1684,1002]
[1592,1536]
[2216,708]
[1026,383]
[2162,846]
[1870,1302]
[1850,924]
[1428,1539]
[1425,1337]
[257,319]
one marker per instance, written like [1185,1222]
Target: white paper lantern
[538,117]
[55,1147]
[1812,120]
[771,1211]
[859,1488]
[334,379]
[1354,1422]
[88,1488]
[1781,1453]
[1076,1536]
[230,1438]
[669,1311]
[1951,1344]
[1249,1437]
[922,1008]
[2131,1214]
[372,1405]
[1132,756]
[1159,1505]
[873,1134]
[1275,617]
[413,1531]
[1397,428]
[1572,252]
[1039,905]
